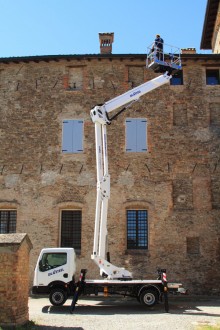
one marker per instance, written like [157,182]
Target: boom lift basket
[164,60]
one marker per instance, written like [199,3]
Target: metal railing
[167,56]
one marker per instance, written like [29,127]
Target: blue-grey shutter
[130,135]
[136,135]
[78,136]
[141,134]
[72,136]
[67,136]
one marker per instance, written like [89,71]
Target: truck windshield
[52,260]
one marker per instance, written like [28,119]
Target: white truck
[56,267]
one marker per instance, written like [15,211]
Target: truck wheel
[58,297]
[149,297]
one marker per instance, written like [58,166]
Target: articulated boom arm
[99,115]
[100,112]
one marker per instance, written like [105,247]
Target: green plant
[208,327]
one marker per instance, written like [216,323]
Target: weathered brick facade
[177,180]
[14,279]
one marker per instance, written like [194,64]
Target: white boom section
[98,113]
[100,118]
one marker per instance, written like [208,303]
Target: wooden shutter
[72,136]
[67,136]
[77,136]
[130,135]
[136,135]
[141,132]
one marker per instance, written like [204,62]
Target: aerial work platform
[162,60]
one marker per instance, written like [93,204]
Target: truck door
[53,266]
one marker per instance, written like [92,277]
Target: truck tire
[149,297]
[58,296]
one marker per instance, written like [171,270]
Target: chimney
[106,41]
[188,51]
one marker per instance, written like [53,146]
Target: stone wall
[177,180]
[14,279]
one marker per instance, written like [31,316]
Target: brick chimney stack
[188,51]
[106,40]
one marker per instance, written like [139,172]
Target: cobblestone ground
[127,314]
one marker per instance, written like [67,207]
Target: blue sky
[51,27]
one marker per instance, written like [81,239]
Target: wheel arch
[57,284]
[150,286]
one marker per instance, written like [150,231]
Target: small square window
[212,77]
[177,78]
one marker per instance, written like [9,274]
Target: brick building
[211,28]
[164,208]
[14,279]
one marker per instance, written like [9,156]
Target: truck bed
[131,282]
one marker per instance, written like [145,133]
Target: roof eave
[209,23]
[57,58]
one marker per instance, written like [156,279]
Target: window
[71,229]
[137,229]
[136,135]
[180,114]
[135,75]
[212,77]
[177,78]
[214,109]
[8,221]
[52,260]
[192,245]
[72,136]
[215,193]
[75,81]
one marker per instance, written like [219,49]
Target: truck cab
[55,269]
